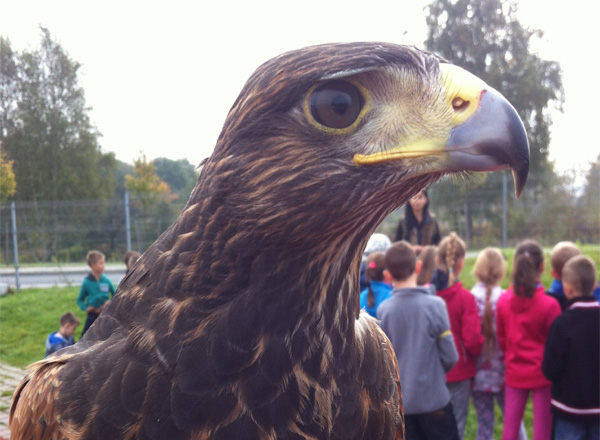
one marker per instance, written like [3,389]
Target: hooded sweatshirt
[522,326]
[466,330]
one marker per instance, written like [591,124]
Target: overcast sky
[161,76]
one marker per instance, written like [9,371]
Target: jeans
[436,425]
[459,396]
[575,431]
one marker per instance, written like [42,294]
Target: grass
[28,317]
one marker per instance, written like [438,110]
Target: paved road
[58,276]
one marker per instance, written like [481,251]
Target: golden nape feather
[242,321]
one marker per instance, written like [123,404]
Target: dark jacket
[426,232]
[572,361]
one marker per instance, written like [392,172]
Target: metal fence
[61,232]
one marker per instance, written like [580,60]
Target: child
[488,384]
[130,258]
[427,256]
[378,285]
[377,243]
[64,336]
[464,322]
[572,355]
[561,253]
[93,295]
[416,323]
[524,315]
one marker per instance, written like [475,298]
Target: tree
[587,206]
[486,38]
[46,128]
[180,175]
[145,184]
[153,196]
[8,185]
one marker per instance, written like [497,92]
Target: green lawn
[28,317]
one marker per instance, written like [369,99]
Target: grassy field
[28,317]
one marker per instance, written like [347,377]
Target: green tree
[486,38]
[46,127]
[180,175]
[153,197]
[8,185]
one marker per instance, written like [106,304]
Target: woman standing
[418,226]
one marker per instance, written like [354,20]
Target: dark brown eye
[336,104]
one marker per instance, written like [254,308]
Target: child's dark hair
[489,268]
[375,265]
[529,258]
[400,260]
[450,251]
[427,256]
[68,318]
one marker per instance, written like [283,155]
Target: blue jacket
[56,341]
[556,291]
[381,292]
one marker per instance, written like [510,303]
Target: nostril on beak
[459,104]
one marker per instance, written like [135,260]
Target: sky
[161,76]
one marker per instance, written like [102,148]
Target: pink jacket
[522,326]
[466,330]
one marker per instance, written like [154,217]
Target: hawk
[242,321]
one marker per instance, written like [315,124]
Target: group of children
[488,344]
[93,298]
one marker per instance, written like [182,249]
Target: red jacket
[466,330]
[522,326]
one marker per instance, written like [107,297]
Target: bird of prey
[242,321]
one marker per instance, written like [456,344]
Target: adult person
[419,227]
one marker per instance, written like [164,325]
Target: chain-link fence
[484,213]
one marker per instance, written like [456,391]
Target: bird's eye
[336,104]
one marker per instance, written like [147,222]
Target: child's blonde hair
[451,250]
[490,267]
[562,252]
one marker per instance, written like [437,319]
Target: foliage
[8,185]
[145,184]
[180,175]
[44,116]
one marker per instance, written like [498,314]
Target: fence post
[504,210]
[127,221]
[15,245]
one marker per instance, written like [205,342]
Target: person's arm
[81,299]
[500,332]
[399,230]
[471,328]
[436,237]
[445,341]
[553,364]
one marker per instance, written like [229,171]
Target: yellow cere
[463,91]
